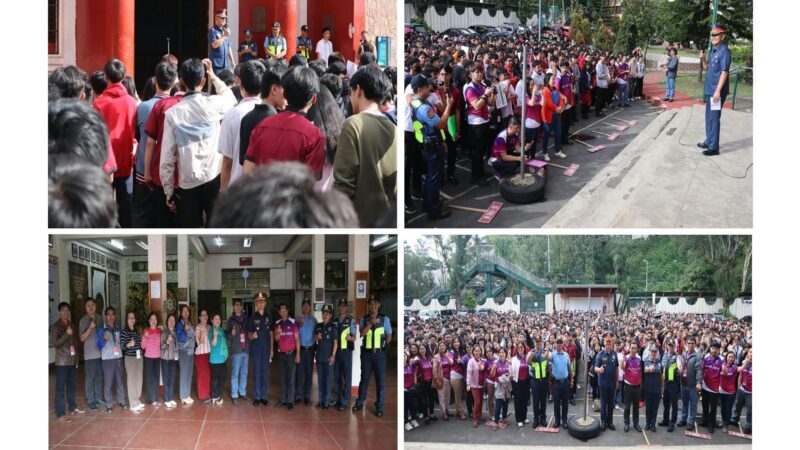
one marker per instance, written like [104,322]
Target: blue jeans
[186,361]
[670,94]
[65,381]
[743,399]
[712,123]
[93,380]
[168,377]
[622,93]
[324,379]
[302,385]
[260,374]
[553,128]
[373,361]
[343,374]
[239,375]
[500,409]
[689,399]
[433,155]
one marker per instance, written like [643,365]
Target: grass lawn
[687,83]
[682,52]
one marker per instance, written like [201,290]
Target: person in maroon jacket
[118,109]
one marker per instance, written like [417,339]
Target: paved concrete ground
[455,434]
[661,180]
[559,190]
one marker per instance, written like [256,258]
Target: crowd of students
[129,360]
[271,144]
[635,359]
[465,93]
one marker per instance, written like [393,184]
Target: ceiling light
[218,241]
[117,243]
[247,242]
[142,245]
[380,240]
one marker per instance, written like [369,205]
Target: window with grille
[257,279]
[52,27]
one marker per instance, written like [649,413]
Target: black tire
[583,431]
[523,195]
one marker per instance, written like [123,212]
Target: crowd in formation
[466,93]
[634,360]
[279,141]
[125,360]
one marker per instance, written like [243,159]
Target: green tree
[526,9]
[138,303]
[469,300]
[581,31]
[421,7]
[637,25]
[688,21]
[603,38]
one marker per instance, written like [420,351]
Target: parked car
[498,34]
[416,28]
[429,314]
[448,313]
[459,32]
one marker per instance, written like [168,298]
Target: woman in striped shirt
[169,359]
[201,353]
[151,344]
[131,342]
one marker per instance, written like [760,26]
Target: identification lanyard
[114,339]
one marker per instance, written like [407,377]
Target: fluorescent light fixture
[380,240]
[247,242]
[218,241]
[142,245]
[117,243]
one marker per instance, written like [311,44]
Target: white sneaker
[561,155]
[169,404]
[414,423]
[408,427]
[616,407]
[187,400]
[519,424]
[546,157]
[156,404]
[527,421]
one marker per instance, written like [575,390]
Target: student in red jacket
[118,109]
[552,107]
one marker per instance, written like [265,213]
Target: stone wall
[381,20]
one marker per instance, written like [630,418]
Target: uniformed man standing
[219,43]
[304,43]
[325,335]
[605,366]
[248,50]
[376,329]
[428,131]
[710,372]
[716,88]
[307,323]
[690,385]
[287,335]
[275,44]
[563,377]
[537,363]
[651,389]
[260,349]
[343,368]
[671,368]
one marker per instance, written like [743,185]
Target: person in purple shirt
[506,142]
[424,367]
[564,82]
[287,334]
[457,374]
[622,83]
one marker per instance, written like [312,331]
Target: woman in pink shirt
[475,381]
[425,377]
[151,344]
[410,388]
[727,387]
[444,362]
[533,117]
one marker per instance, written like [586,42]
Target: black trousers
[567,119]
[150,208]
[651,401]
[600,99]
[413,172]
[411,405]
[124,207]
[632,396]
[607,400]
[218,372]
[710,401]
[452,154]
[672,391]
[478,138]
[520,389]
[196,203]
[152,372]
[426,398]
[560,401]
[470,400]
[539,391]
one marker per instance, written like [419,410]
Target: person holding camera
[219,42]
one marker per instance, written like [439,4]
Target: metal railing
[516,269]
[743,75]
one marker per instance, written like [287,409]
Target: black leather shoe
[358,407]
[233,400]
[379,413]
[663,423]
[452,180]
[612,427]
[290,406]
[319,405]
[711,429]
[564,425]
[702,145]
[653,429]
[307,402]
[681,424]
[572,402]
[535,424]
[637,427]
[711,152]
[671,428]
[443,214]
[627,428]
[256,402]
[265,402]
[603,427]
[280,404]
[567,142]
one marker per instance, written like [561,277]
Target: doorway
[183,22]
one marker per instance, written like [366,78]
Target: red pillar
[286,14]
[124,33]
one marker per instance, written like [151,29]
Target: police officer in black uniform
[343,365]
[605,365]
[325,335]
[651,389]
[537,364]
[258,329]
[671,370]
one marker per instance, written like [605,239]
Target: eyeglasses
[716,34]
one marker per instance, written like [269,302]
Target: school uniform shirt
[446,365]
[288,329]
[424,368]
[747,379]
[154,129]
[287,136]
[727,383]
[712,370]
[324,48]
[632,373]
[480,116]
[503,143]
[229,138]
[408,376]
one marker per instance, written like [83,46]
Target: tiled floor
[240,426]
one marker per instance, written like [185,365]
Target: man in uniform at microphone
[260,349]
[376,329]
[716,88]
[219,43]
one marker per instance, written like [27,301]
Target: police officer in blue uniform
[428,132]
[671,370]
[219,43]
[563,378]
[651,389]
[376,330]
[248,50]
[343,366]
[537,363]
[605,366]
[304,44]
[716,88]
[307,322]
[258,329]
[325,335]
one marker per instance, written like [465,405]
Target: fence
[467,16]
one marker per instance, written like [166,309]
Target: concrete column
[317,269]
[357,260]
[157,263]
[183,261]
[286,14]
[233,24]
